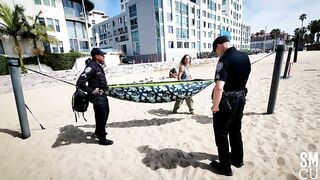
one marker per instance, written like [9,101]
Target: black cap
[96,51]
[219,40]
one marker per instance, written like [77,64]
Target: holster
[225,103]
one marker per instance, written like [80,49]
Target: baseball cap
[219,40]
[96,51]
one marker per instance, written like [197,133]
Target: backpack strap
[84,117]
[75,116]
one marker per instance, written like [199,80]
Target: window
[204,34]
[204,24]
[170,29]
[134,24]
[46,2]
[119,20]
[186,44]
[71,30]
[1,48]
[41,21]
[55,49]
[209,45]
[80,30]
[179,44]
[193,45]
[170,44]
[135,36]
[132,11]
[169,16]
[193,32]
[61,46]
[53,3]
[56,21]
[37,1]
[50,23]
[184,9]
[204,45]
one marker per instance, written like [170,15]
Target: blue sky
[257,13]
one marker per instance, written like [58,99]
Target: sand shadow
[73,135]
[203,119]
[138,123]
[253,113]
[11,132]
[171,158]
[162,112]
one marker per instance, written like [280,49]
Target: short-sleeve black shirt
[233,68]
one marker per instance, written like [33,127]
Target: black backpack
[80,103]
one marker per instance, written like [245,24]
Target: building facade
[64,17]
[260,41]
[165,30]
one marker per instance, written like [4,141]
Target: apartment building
[165,30]
[260,41]
[64,17]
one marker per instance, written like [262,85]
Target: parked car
[126,60]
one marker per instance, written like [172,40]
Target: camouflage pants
[178,103]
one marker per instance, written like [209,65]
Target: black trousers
[101,112]
[229,123]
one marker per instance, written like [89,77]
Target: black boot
[105,142]
[221,170]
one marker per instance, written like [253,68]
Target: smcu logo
[309,165]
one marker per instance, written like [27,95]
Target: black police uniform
[233,68]
[95,76]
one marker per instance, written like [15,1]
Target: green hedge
[313,47]
[3,66]
[63,61]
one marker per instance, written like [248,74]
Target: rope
[45,75]
[34,117]
[50,76]
[262,58]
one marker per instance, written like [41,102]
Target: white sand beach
[149,141]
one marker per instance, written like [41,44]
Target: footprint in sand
[260,151]
[249,164]
[312,147]
[281,161]
[291,177]
[284,135]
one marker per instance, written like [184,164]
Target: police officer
[94,75]
[229,93]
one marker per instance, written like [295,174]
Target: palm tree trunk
[17,48]
[35,48]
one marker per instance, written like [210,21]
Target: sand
[152,143]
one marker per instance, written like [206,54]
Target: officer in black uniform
[229,93]
[94,75]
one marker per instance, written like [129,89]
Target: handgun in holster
[225,103]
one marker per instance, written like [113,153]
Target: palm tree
[275,33]
[37,32]
[12,25]
[318,30]
[312,27]
[302,18]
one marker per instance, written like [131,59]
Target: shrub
[247,51]
[3,66]
[61,61]
[313,47]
